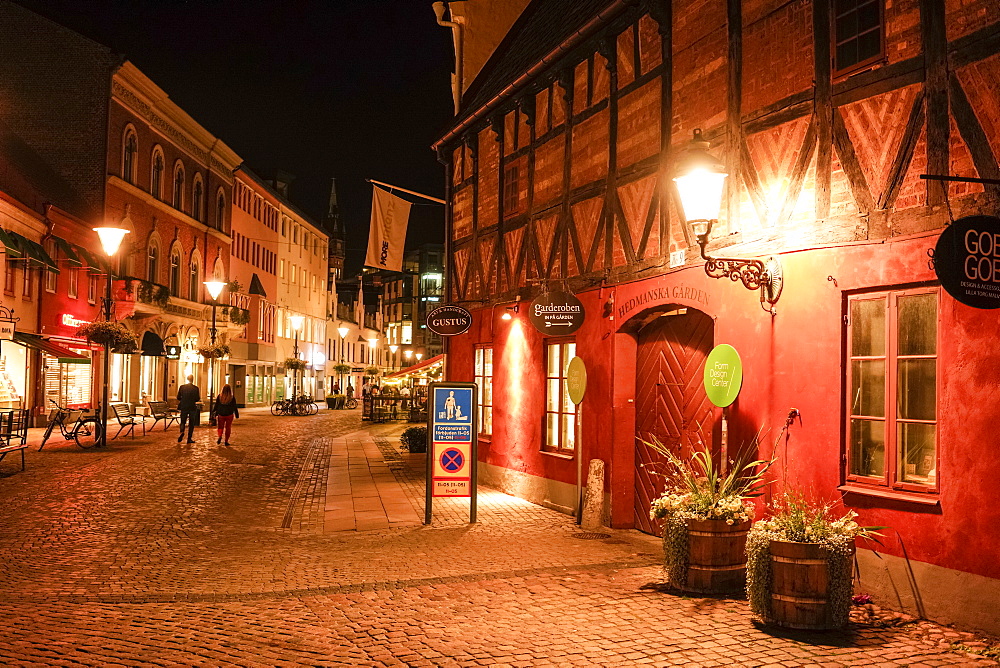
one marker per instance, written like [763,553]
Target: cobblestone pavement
[151,552]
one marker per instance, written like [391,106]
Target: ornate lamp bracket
[763,275]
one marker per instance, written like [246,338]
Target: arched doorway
[670,400]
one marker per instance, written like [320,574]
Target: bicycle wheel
[313,408]
[87,434]
[352,403]
[276,408]
[49,428]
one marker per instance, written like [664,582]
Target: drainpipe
[456,32]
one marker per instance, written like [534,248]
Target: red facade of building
[560,163]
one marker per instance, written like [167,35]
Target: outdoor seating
[13,432]
[127,421]
[158,410]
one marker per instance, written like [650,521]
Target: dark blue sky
[351,89]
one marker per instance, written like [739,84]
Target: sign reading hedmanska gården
[556,313]
[967,261]
[449,320]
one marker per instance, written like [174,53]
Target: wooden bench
[127,421]
[159,410]
[13,432]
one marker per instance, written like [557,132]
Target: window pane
[868,448]
[917,324]
[868,45]
[868,328]
[867,17]
[552,395]
[552,369]
[917,389]
[552,430]
[841,6]
[847,26]
[847,54]
[569,422]
[868,387]
[567,403]
[487,391]
[487,419]
[917,453]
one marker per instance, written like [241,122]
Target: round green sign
[723,375]
[576,380]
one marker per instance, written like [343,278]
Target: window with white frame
[175,273]
[92,288]
[178,198]
[156,178]
[50,276]
[130,147]
[73,284]
[484,381]
[153,263]
[560,412]
[194,280]
[893,381]
[198,199]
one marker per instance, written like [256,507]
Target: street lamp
[111,238]
[214,288]
[296,326]
[343,331]
[392,355]
[700,184]
[419,356]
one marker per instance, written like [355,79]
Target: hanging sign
[576,380]
[449,320]
[6,330]
[967,261]
[723,375]
[451,435]
[173,352]
[556,313]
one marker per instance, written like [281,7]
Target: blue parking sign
[453,410]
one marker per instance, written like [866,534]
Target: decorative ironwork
[763,275]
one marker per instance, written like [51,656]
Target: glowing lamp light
[296,321]
[343,331]
[111,238]
[318,359]
[407,354]
[419,356]
[393,348]
[509,311]
[214,289]
[372,342]
[700,180]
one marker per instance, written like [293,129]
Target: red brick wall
[639,124]
[786,36]
[965,16]
[549,161]
[590,149]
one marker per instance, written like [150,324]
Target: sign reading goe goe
[967,261]
[449,320]
[556,313]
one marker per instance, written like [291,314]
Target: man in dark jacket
[188,398]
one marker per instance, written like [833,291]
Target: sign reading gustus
[556,313]
[449,320]
[967,261]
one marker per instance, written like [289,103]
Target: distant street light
[111,238]
[214,288]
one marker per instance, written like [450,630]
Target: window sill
[558,455]
[485,438]
[907,497]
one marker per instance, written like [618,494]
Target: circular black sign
[967,261]
[449,320]
[556,313]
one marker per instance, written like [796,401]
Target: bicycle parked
[74,425]
[300,405]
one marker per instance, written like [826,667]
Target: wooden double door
[670,400]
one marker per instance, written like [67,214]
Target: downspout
[456,32]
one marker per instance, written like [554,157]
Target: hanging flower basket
[341,369]
[799,565]
[373,371]
[294,364]
[112,334]
[217,351]
[706,515]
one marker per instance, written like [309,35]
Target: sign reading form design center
[556,313]
[723,375]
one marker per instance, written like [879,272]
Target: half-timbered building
[876,386]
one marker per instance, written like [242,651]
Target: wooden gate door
[670,400]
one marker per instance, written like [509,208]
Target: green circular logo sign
[723,375]
[576,380]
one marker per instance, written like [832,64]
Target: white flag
[390,214]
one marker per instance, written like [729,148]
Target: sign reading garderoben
[967,261]
[449,320]
[556,313]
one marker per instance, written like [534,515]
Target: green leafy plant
[414,439]
[341,369]
[234,286]
[153,293]
[238,316]
[294,364]
[216,351]
[113,334]
[697,489]
[372,371]
[797,519]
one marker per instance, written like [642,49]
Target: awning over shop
[69,251]
[27,249]
[92,260]
[9,244]
[64,355]
[152,345]
[416,368]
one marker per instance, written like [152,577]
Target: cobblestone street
[301,544]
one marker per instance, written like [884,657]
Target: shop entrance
[670,400]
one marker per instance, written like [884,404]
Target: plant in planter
[113,334]
[799,564]
[294,364]
[216,351]
[414,439]
[706,514]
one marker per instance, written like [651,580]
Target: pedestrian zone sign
[451,466]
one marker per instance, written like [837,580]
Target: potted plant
[215,351]
[112,334]
[706,514]
[294,364]
[414,439]
[799,564]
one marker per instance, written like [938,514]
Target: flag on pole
[390,215]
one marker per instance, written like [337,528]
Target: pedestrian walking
[336,388]
[350,391]
[225,411]
[188,398]
[366,389]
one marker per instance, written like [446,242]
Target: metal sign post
[453,449]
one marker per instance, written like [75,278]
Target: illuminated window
[560,412]
[857,34]
[484,381]
[892,376]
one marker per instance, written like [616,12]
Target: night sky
[351,89]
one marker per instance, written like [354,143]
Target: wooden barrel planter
[800,587]
[717,561]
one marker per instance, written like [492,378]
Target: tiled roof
[543,26]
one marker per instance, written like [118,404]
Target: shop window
[857,34]
[73,287]
[156,180]
[893,381]
[130,147]
[484,381]
[560,412]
